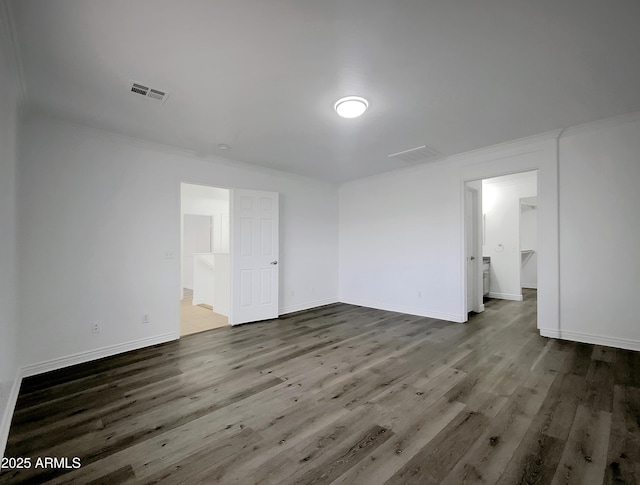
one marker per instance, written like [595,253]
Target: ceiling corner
[6,12]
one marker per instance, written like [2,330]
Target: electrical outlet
[293,293]
[168,255]
[419,294]
[95,327]
[145,318]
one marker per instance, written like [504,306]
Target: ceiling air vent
[148,92]
[416,155]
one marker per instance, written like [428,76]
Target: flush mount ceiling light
[223,146]
[351,106]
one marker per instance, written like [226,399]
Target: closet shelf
[526,254]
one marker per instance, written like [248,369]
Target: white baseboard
[505,296]
[7,416]
[59,363]
[402,309]
[81,357]
[587,338]
[306,306]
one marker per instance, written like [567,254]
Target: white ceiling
[262,76]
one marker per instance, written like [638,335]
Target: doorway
[237,280]
[504,225]
[205,265]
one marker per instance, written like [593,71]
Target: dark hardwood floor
[344,395]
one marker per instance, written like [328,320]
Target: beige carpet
[194,319]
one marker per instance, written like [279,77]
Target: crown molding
[39,115]
[14,48]
[512,148]
[519,146]
[602,123]
[508,149]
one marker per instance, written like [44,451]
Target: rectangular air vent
[416,155]
[148,92]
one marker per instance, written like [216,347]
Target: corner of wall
[13,92]
[11,389]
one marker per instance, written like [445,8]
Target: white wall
[9,107]
[396,234]
[600,233]
[501,206]
[98,212]
[401,233]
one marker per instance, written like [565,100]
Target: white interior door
[471,247]
[470,250]
[254,256]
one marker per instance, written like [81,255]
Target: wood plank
[322,447]
[433,462]
[384,462]
[349,456]
[584,458]
[599,386]
[623,457]
[535,460]
[490,454]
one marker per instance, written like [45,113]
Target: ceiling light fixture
[223,146]
[351,106]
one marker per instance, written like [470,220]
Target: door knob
[472,258]
[274,262]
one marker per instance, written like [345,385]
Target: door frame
[548,306]
[178,254]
